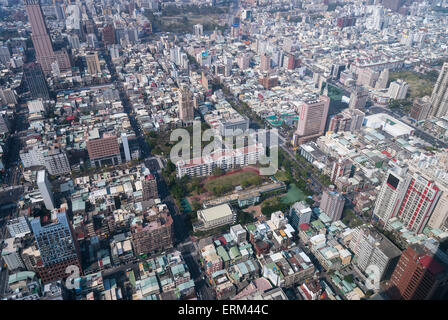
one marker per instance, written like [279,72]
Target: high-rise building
[420,108]
[390,194]
[332,203]
[418,203]
[109,35]
[374,249]
[419,275]
[341,168]
[186,109]
[45,189]
[383,79]
[312,119]
[93,63]
[265,62]
[243,61]
[155,234]
[299,214]
[35,80]
[127,152]
[398,90]
[39,34]
[439,97]
[57,245]
[198,30]
[358,98]
[45,54]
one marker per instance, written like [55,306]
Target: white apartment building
[223,158]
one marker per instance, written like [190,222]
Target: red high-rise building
[418,276]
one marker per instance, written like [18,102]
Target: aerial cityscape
[224,150]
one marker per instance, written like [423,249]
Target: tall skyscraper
[390,194]
[419,202]
[44,186]
[186,110]
[439,97]
[35,80]
[419,275]
[312,119]
[40,36]
[265,62]
[411,198]
[57,245]
[332,203]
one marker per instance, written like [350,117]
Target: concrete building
[45,189]
[300,213]
[18,227]
[186,108]
[419,275]
[332,203]
[11,254]
[398,89]
[92,63]
[374,249]
[439,97]
[420,108]
[57,245]
[312,119]
[214,217]
[103,149]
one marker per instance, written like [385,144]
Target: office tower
[382,79]
[420,108]
[300,213]
[398,90]
[39,35]
[418,203]
[186,110]
[103,150]
[127,152]
[439,97]
[93,63]
[394,5]
[198,30]
[390,194]
[35,80]
[312,119]
[332,203]
[419,275]
[358,98]
[57,245]
[371,248]
[265,62]
[109,35]
[45,189]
